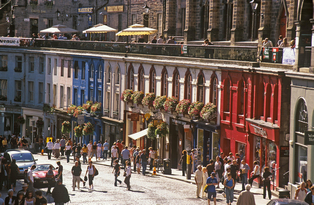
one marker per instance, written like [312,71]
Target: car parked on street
[286,202]
[24,160]
[40,176]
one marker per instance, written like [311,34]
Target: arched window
[227,95]
[92,71]
[141,80]
[164,82]
[108,74]
[241,96]
[262,97]
[188,85]
[201,87]
[214,90]
[117,76]
[99,72]
[176,83]
[268,101]
[131,78]
[152,80]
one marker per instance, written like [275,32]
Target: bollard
[42,151]
[154,171]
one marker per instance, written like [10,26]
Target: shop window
[302,117]
[108,74]
[99,72]
[300,163]
[214,90]
[92,72]
[131,77]
[83,70]
[176,83]
[272,159]
[164,82]
[117,76]
[241,96]
[152,80]
[275,108]
[201,88]
[268,101]
[76,69]
[3,90]
[227,95]
[141,79]
[188,86]
[261,102]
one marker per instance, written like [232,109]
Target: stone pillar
[297,43]
[237,20]
[213,21]
[170,18]
[189,31]
[265,23]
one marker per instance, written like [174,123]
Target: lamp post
[254,6]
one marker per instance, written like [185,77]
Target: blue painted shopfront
[88,78]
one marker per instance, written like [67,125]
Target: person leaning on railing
[284,43]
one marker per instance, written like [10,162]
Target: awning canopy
[139,134]
[136,30]
[59,29]
[100,28]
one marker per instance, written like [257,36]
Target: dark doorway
[34,26]
[204,20]
[173,146]
[282,23]
[305,34]
[146,23]
[228,13]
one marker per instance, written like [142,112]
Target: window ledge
[226,122]
[241,116]
[239,125]
[227,113]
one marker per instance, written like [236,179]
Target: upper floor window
[31,64]
[241,96]
[69,69]
[55,71]
[3,62]
[108,74]
[227,95]
[92,72]
[49,66]
[268,101]
[76,69]
[131,78]
[41,65]
[30,91]
[83,70]
[164,82]
[62,67]
[99,72]
[18,64]
[201,88]
[176,84]
[141,80]
[188,86]
[152,80]
[117,76]
[301,117]
[3,89]
[214,90]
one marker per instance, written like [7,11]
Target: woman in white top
[99,148]
[29,199]
[256,174]
[128,172]
[68,151]
[217,169]
[205,176]
[91,173]
[301,192]
[56,148]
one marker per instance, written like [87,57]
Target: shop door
[283,21]
[34,26]
[180,144]
[173,147]
[207,147]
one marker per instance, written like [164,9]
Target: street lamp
[254,6]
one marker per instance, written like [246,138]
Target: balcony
[222,52]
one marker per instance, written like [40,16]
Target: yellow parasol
[136,29]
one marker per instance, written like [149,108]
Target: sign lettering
[85,10]
[112,9]
[309,138]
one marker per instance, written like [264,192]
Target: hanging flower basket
[96,108]
[159,102]
[138,97]
[87,106]
[88,129]
[148,100]
[66,127]
[77,111]
[162,129]
[151,130]
[183,107]
[195,109]
[20,120]
[39,123]
[78,131]
[46,108]
[71,109]
[209,111]
[171,104]
[127,96]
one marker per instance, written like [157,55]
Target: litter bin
[167,168]
[284,194]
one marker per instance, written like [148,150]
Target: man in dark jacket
[60,194]
[310,196]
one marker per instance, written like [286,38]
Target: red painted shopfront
[252,123]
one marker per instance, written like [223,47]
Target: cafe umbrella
[59,29]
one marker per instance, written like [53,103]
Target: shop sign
[284,151]
[113,9]
[259,130]
[184,49]
[309,138]
[80,119]
[85,10]
[134,117]
[9,41]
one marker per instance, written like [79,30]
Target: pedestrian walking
[229,188]
[116,172]
[40,199]
[198,180]
[138,162]
[99,148]
[30,179]
[49,148]
[244,171]
[91,170]
[152,155]
[266,179]
[246,197]
[144,158]
[218,169]
[10,198]
[234,170]
[29,198]
[62,146]
[14,171]
[114,154]
[211,189]
[310,197]
[183,162]
[205,176]
[135,159]
[105,149]
[210,167]
[128,172]
[24,189]
[56,149]
[90,147]
[76,172]
[308,185]
[125,155]
[84,153]
[60,194]
[94,151]
[68,151]
[1,200]
[19,200]
[256,174]
[301,192]
[77,159]
[50,179]
[60,171]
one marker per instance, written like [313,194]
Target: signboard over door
[309,138]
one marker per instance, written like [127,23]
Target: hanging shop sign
[85,10]
[113,9]
[309,138]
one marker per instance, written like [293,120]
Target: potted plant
[148,100]
[209,111]
[3,98]
[46,108]
[138,97]
[4,68]
[96,108]
[127,96]
[78,131]
[183,107]
[77,111]
[88,129]
[39,123]
[71,109]
[162,129]
[171,104]
[159,102]
[195,109]
[20,120]
[151,130]
[66,127]
[87,106]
